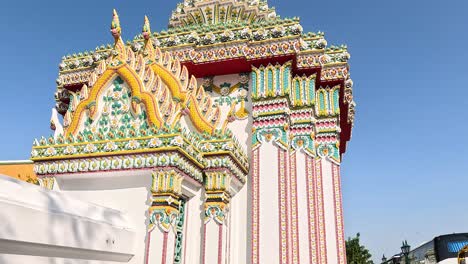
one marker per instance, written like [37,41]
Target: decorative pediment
[141,88]
[129,116]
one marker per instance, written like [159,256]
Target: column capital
[166,189]
[218,194]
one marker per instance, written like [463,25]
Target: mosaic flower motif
[150,161]
[296,29]
[52,168]
[243,93]
[96,57]
[105,164]
[62,66]
[93,129]
[324,59]
[177,141]
[110,146]
[193,38]
[227,35]
[190,150]
[135,124]
[225,91]
[88,61]
[320,44]
[41,169]
[63,167]
[154,143]
[325,150]
[73,166]
[245,33]
[34,153]
[209,38]
[278,31]
[260,34]
[125,108]
[50,152]
[105,110]
[94,165]
[132,144]
[172,41]
[344,57]
[228,146]
[164,160]
[90,148]
[116,163]
[75,64]
[127,163]
[69,150]
[114,123]
[207,147]
[139,162]
[83,166]
[116,95]
[304,45]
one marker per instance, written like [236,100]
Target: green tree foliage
[356,253]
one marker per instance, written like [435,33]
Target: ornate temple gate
[243,168]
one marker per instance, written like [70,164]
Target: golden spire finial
[148,49]
[146,29]
[116,30]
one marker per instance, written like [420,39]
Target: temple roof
[209,47]
[203,12]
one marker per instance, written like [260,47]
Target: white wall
[40,222]
[129,191]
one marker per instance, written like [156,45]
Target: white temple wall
[329,210]
[125,191]
[332,206]
[269,224]
[56,228]
[193,228]
[23,259]
[168,254]
[155,246]
[212,238]
[239,227]
[303,208]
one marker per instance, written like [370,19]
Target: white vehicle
[442,249]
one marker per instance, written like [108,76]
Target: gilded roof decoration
[127,94]
[154,86]
[128,113]
[205,12]
[218,42]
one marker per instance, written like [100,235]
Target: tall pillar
[330,203]
[164,215]
[270,184]
[216,220]
[270,199]
[296,193]
[328,182]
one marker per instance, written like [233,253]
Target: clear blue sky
[405,172]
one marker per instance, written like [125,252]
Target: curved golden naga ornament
[155,68]
[135,85]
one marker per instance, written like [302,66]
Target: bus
[442,249]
